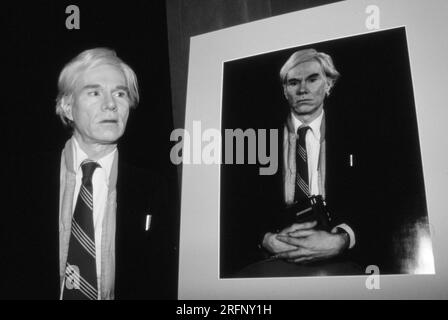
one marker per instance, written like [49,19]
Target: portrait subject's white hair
[87,60]
[305,55]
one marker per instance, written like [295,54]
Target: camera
[312,208]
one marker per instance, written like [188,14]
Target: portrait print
[362,183]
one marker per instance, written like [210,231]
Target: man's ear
[328,85]
[285,93]
[67,107]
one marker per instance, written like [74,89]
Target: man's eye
[121,94]
[292,83]
[93,93]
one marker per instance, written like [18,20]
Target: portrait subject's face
[100,105]
[305,88]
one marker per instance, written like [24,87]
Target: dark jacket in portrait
[373,184]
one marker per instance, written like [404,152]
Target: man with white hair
[94,227]
[307,78]
[349,191]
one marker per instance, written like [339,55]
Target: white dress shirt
[312,141]
[100,183]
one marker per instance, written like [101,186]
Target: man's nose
[302,88]
[109,102]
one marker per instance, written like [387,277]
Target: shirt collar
[314,125]
[79,156]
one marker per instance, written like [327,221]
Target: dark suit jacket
[146,265]
[378,197]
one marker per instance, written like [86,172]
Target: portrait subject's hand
[312,245]
[274,245]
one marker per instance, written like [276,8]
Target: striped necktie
[80,271]
[302,189]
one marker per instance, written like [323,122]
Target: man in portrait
[307,77]
[333,157]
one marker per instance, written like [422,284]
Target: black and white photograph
[200,151]
[348,191]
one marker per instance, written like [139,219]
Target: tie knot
[301,131]
[88,167]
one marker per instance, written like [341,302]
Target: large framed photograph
[314,165]
[371,170]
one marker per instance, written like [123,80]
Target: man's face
[100,106]
[305,88]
